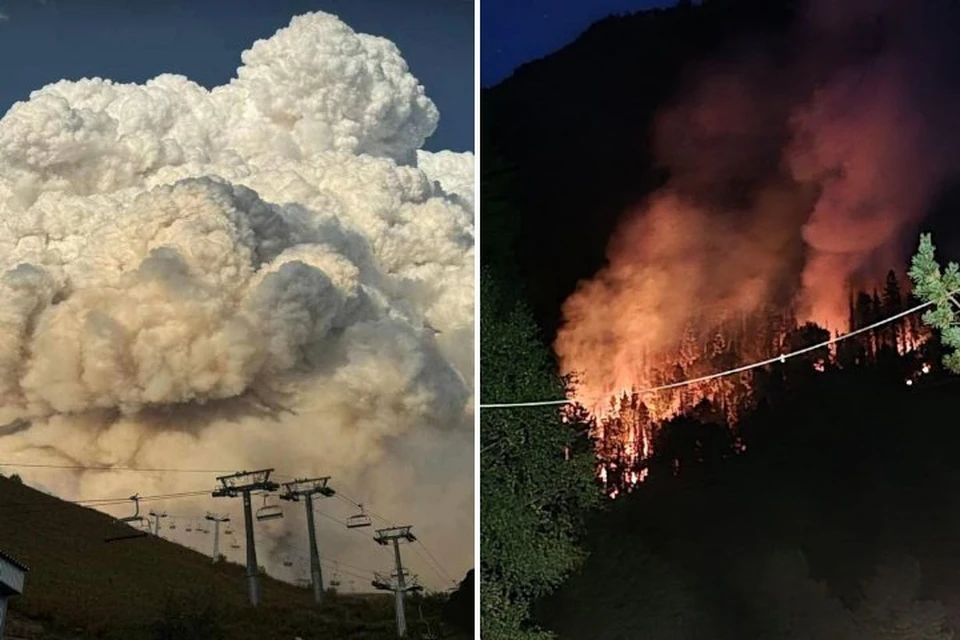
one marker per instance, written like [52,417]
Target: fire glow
[627,424]
[794,181]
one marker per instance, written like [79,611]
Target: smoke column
[271,273]
[793,179]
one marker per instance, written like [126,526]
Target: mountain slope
[80,586]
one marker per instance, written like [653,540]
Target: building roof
[13,561]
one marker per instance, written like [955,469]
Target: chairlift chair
[172,525]
[358,520]
[189,527]
[135,518]
[134,521]
[234,544]
[269,511]
[228,531]
[287,562]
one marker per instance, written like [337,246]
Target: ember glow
[789,192]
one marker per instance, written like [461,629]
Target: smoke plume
[793,179]
[267,274]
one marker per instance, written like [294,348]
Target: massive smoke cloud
[793,179]
[271,273]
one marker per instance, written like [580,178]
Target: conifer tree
[940,287]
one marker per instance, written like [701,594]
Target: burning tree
[650,429]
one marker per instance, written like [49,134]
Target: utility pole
[243,483]
[385,537]
[216,519]
[308,488]
[156,515]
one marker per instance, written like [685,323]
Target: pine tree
[940,288]
[892,305]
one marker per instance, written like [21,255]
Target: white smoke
[254,276]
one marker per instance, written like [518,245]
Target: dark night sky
[42,41]
[516,31]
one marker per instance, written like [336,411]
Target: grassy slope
[82,587]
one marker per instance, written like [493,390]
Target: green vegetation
[941,288]
[533,495]
[152,589]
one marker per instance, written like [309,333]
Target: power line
[729,372]
[109,468]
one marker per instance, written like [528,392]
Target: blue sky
[42,41]
[516,31]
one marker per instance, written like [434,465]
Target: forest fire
[789,183]
[628,422]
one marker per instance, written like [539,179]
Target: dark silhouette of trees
[537,478]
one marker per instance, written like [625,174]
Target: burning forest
[628,428]
[797,176]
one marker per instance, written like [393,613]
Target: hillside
[80,586]
[839,521]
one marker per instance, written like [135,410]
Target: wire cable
[435,566]
[103,502]
[729,372]
[25,465]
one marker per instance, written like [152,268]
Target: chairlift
[358,520]
[134,521]
[287,562]
[234,544]
[269,511]
[135,518]
[172,525]
[335,580]
[189,527]
[228,531]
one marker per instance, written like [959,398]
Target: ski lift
[287,562]
[172,525]
[189,527]
[335,580]
[228,531]
[269,511]
[358,520]
[136,520]
[234,544]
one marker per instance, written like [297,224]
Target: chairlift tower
[156,515]
[307,488]
[216,519]
[384,537]
[243,483]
